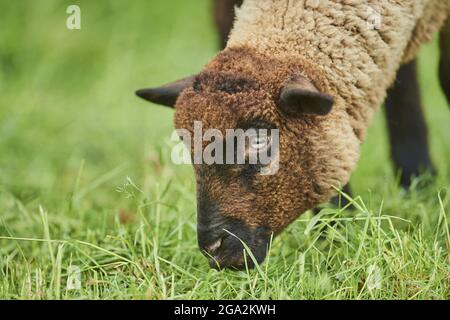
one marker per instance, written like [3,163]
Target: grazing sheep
[317,71]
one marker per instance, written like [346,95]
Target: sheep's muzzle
[227,243]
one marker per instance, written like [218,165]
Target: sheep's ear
[302,97]
[166,95]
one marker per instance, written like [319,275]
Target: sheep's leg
[224,18]
[341,201]
[444,68]
[407,127]
[337,201]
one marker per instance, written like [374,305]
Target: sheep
[316,70]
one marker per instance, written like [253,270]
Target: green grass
[86,179]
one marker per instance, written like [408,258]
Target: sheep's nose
[212,248]
[209,238]
[223,244]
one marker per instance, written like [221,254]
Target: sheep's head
[309,144]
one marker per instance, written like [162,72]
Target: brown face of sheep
[236,203]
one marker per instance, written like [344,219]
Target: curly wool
[359,61]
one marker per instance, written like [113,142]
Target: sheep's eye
[259,144]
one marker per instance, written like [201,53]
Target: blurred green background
[68,95]
[75,140]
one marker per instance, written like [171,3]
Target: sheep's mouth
[234,246]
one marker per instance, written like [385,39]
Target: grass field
[86,179]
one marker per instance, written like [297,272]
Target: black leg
[337,201]
[444,67]
[407,127]
[224,18]
[340,201]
